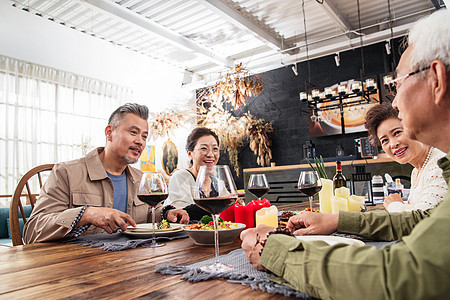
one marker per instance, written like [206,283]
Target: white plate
[148,227]
[146,231]
[330,240]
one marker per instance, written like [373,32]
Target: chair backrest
[16,204]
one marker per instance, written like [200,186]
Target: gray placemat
[118,241]
[243,272]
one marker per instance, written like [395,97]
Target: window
[49,116]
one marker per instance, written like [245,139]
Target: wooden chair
[16,204]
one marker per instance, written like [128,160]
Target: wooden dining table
[56,270]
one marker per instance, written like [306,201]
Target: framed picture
[148,159]
[169,157]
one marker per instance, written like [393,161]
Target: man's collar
[94,165]
[96,170]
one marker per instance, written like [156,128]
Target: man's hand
[392,198]
[251,239]
[311,223]
[174,215]
[107,218]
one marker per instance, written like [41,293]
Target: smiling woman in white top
[202,147]
[428,186]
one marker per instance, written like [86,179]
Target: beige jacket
[72,185]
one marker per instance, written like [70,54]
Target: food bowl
[206,237]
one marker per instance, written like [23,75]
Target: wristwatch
[164,211]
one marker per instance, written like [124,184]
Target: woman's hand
[392,198]
[240,201]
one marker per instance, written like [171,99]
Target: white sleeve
[430,190]
[180,189]
[396,207]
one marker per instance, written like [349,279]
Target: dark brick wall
[279,102]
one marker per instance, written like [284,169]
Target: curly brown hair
[375,116]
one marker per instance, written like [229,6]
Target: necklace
[416,178]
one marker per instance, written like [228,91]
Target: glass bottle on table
[339,179]
[215,191]
[152,190]
[309,183]
[257,185]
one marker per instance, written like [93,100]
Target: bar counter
[283,179]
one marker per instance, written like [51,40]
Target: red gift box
[244,214]
[228,214]
[257,205]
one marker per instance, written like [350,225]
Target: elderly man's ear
[440,78]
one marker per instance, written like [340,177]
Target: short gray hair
[128,108]
[430,38]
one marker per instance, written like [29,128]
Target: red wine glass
[257,185]
[152,190]
[215,191]
[310,184]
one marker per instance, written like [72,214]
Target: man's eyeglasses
[393,85]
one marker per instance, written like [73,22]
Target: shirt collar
[96,170]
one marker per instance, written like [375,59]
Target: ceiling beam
[333,47]
[126,15]
[436,4]
[267,63]
[248,23]
[336,16]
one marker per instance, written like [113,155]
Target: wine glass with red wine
[310,184]
[152,190]
[257,185]
[215,191]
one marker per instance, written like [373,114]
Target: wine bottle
[398,186]
[339,179]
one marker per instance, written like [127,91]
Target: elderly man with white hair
[418,266]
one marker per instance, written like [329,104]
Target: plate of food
[330,239]
[145,230]
[283,216]
[202,233]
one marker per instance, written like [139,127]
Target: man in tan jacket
[97,193]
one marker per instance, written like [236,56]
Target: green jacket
[417,267]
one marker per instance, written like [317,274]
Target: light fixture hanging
[294,69]
[337,59]
[341,96]
[387,45]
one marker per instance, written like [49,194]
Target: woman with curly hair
[428,186]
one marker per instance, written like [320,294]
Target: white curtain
[48,116]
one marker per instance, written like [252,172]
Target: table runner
[243,273]
[118,241]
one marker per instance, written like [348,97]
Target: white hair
[430,38]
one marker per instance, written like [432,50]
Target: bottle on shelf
[399,186]
[339,178]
